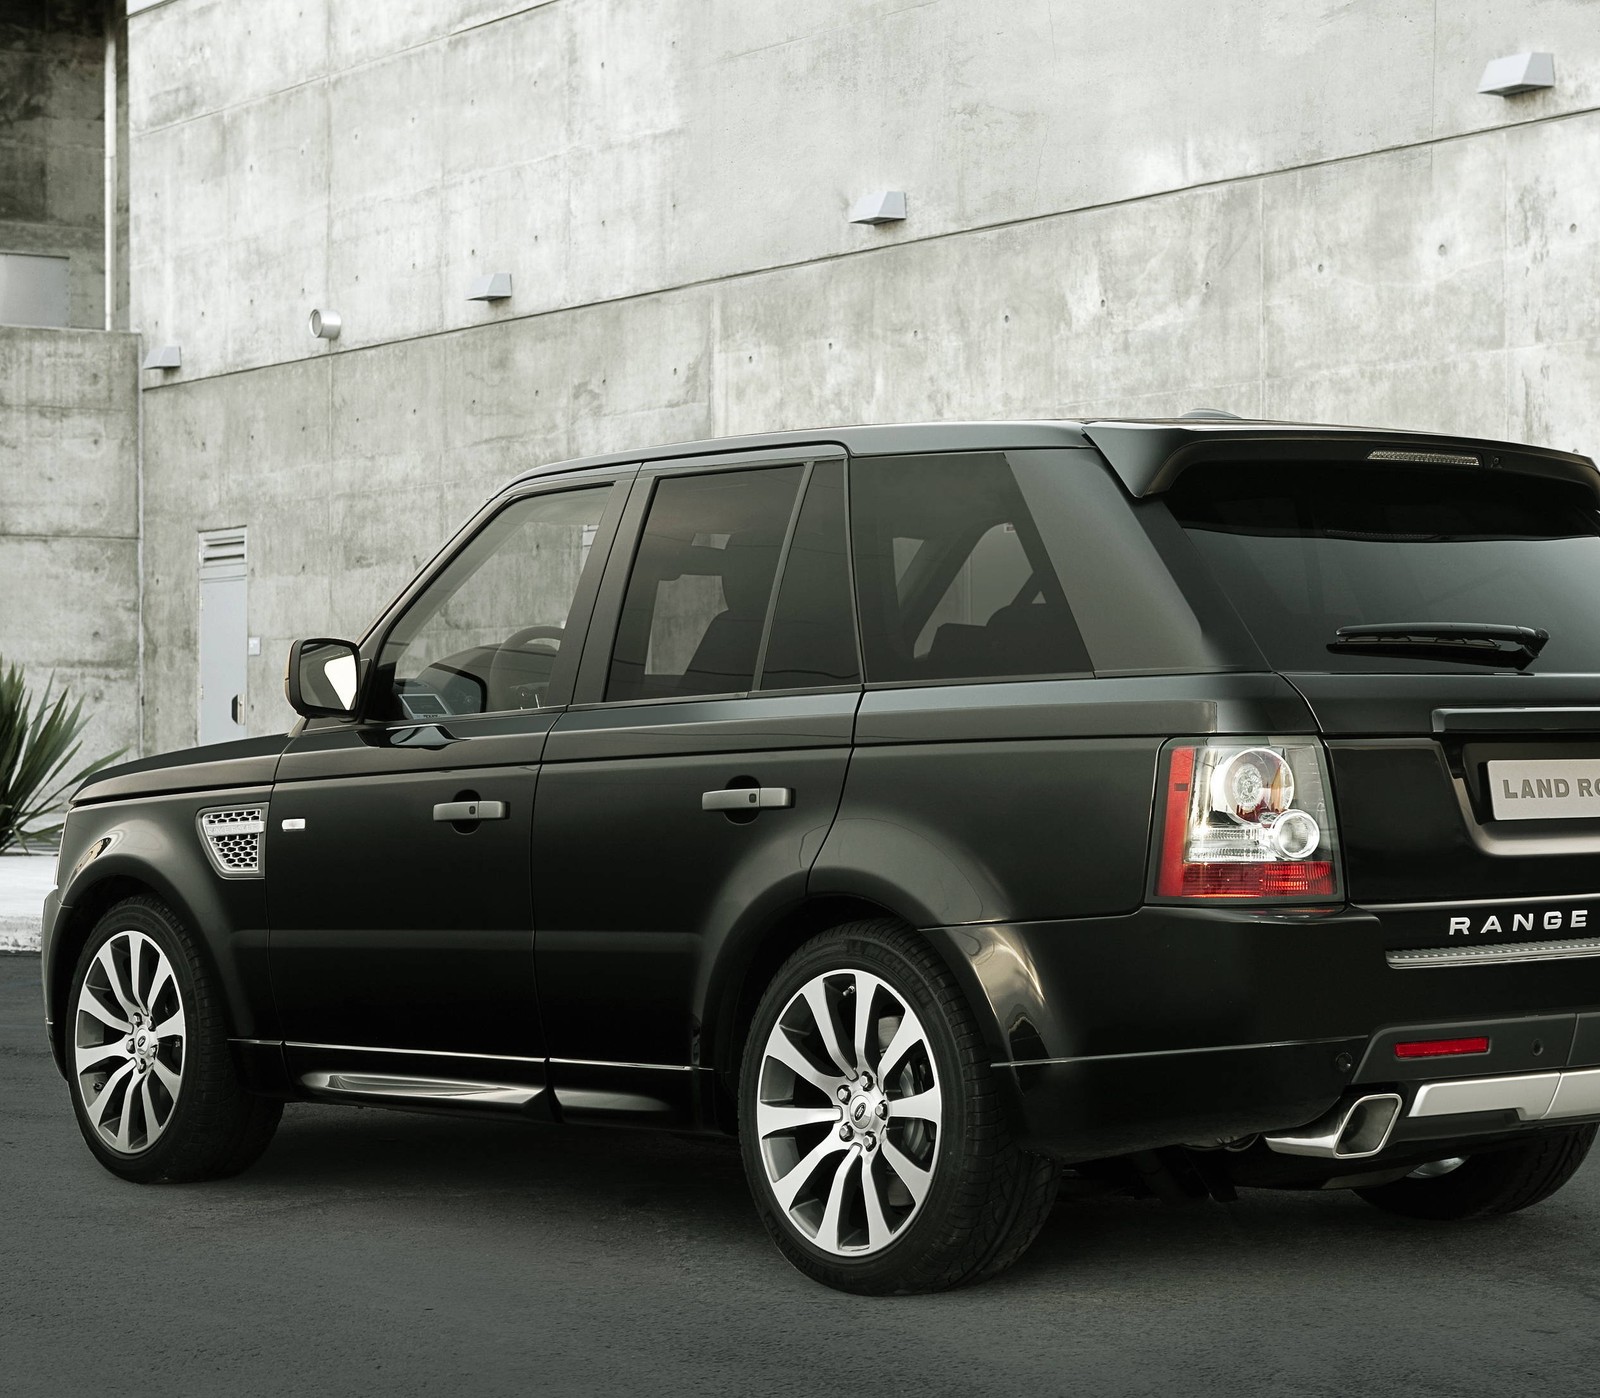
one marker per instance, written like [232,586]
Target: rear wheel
[153,1082]
[871,1125]
[1496,1182]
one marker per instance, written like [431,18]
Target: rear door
[687,791]
[1459,761]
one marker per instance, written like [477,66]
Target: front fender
[118,849]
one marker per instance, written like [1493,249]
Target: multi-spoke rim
[848,1112]
[128,1042]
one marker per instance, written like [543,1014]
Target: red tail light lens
[1180,778]
[1248,821]
[1312,879]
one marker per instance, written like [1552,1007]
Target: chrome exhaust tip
[1351,1131]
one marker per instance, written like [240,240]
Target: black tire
[987,1199]
[1496,1182]
[212,1127]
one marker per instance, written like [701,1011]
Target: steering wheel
[518,676]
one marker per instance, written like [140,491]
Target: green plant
[38,743]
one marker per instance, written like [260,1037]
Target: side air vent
[232,838]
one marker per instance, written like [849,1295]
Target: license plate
[1545,790]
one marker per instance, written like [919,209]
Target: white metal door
[224,639]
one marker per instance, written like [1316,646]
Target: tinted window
[702,579]
[813,640]
[486,633]
[954,579]
[1305,550]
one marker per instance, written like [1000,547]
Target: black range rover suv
[1196,803]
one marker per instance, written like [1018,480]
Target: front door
[681,808]
[397,855]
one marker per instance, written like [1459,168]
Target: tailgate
[1478,800]
[1440,619]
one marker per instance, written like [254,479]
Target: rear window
[1303,551]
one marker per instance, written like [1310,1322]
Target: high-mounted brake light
[1441,1048]
[1426,458]
[1246,820]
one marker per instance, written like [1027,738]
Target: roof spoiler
[1149,456]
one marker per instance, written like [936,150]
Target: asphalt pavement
[376,1252]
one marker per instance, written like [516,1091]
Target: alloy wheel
[128,1042]
[849,1112]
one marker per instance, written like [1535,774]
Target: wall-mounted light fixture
[494,287]
[164,357]
[326,325]
[881,206]
[1518,72]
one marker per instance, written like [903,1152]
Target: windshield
[1305,549]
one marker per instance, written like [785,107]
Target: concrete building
[69,392]
[1291,208]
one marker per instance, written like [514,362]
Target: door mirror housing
[322,678]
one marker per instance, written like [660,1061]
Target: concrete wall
[1296,208]
[52,141]
[69,576]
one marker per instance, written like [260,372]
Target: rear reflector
[1440,1048]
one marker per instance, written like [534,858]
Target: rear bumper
[1172,1026]
[1081,1109]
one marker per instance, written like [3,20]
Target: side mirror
[321,679]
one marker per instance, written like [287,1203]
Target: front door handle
[747,798]
[470,810]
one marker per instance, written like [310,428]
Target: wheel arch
[748,964]
[115,877]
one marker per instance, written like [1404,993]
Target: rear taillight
[1246,820]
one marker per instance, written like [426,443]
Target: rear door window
[1303,550]
[954,580]
[696,605]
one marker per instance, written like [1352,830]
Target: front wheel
[152,1078]
[1496,1182]
[871,1125]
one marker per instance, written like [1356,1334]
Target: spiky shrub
[39,741]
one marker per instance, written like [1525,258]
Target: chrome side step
[1565,1092]
[491,1094]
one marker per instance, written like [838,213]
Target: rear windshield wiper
[1471,642]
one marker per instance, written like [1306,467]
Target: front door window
[488,633]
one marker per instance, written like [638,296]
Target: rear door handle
[747,798]
[470,810]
